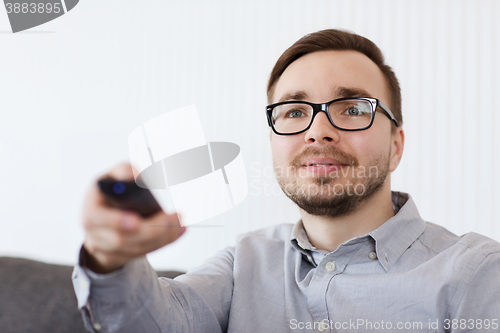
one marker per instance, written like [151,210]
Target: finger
[111,218]
[105,241]
[157,231]
[152,235]
[98,212]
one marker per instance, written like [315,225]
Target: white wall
[73,89]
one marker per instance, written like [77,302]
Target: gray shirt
[407,275]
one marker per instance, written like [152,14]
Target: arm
[478,308]
[117,289]
[133,299]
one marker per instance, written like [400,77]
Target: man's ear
[397,146]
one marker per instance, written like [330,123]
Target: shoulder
[481,252]
[480,261]
[479,244]
[440,239]
[468,253]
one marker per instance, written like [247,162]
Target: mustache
[328,151]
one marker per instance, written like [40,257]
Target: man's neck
[327,233]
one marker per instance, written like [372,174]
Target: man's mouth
[323,165]
[325,161]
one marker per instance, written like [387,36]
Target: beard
[331,195]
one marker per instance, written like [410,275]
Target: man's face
[326,171]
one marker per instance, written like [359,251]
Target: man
[360,259]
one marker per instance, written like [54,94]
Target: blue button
[119,188]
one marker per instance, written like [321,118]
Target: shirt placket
[330,266]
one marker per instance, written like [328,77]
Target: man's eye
[354,111]
[295,114]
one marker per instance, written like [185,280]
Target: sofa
[37,297]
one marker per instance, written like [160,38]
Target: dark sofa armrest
[36,297]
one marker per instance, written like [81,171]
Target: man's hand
[113,237]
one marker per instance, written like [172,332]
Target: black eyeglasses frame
[323,107]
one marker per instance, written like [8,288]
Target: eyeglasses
[348,114]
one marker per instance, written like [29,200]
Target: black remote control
[127,195]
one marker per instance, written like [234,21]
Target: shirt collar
[398,233]
[299,238]
[391,239]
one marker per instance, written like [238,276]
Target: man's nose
[322,131]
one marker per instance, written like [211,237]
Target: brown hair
[334,39]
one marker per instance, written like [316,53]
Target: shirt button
[330,266]
[97,326]
[372,255]
[321,327]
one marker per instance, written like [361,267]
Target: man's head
[339,40]
[325,170]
